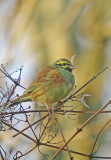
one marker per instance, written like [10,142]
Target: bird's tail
[16,101]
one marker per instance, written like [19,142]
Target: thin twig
[99,135]
[26,153]
[78,153]
[30,125]
[18,131]
[57,111]
[44,128]
[7,75]
[8,156]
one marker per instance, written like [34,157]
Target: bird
[54,83]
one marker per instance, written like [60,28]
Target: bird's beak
[71,67]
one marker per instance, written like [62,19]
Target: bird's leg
[47,103]
[49,108]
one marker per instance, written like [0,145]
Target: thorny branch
[47,131]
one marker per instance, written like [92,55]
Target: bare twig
[57,111]
[30,125]
[99,135]
[8,156]
[22,155]
[7,75]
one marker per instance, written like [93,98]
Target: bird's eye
[64,64]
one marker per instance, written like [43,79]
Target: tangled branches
[45,130]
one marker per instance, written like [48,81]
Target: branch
[80,129]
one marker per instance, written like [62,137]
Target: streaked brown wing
[38,80]
[54,77]
[47,82]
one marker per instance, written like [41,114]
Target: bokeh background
[35,33]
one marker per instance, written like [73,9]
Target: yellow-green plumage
[54,82]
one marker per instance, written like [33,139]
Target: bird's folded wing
[46,80]
[39,79]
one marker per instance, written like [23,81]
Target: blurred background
[36,33]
